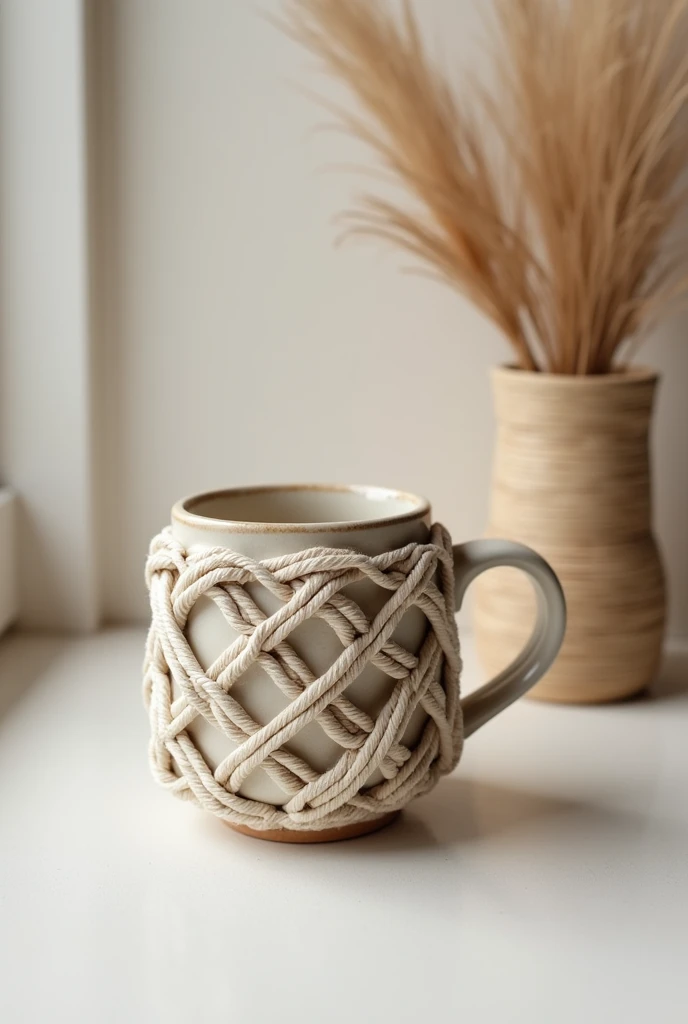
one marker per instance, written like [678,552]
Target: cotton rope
[308,583]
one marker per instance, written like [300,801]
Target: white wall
[240,346]
[45,387]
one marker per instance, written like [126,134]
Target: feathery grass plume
[565,243]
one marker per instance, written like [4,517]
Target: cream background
[235,343]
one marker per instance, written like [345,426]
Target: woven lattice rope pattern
[308,583]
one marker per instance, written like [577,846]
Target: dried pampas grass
[549,200]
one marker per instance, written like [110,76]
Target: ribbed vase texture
[571,478]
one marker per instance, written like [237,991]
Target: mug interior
[306,506]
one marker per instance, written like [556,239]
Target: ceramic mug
[266,522]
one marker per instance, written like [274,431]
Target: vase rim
[627,375]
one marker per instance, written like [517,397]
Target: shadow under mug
[266,522]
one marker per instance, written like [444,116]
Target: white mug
[260,524]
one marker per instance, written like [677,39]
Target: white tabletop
[546,881]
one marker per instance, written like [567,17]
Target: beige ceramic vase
[571,478]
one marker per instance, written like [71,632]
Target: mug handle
[543,646]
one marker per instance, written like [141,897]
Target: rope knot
[377,769]
[165,554]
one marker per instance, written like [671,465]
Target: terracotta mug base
[325,835]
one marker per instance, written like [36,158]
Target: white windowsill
[546,881]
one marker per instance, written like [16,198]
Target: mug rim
[182,511]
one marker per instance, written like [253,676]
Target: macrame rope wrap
[308,583]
